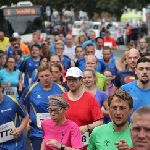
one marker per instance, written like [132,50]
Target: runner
[35,98]
[105,136]
[18,54]
[127,75]
[30,64]
[140,88]
[84,108]
[139,130]
[11,78]
[59,132]
[91,61]
[11,113]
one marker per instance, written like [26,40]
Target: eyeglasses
[56,111]
[73,80]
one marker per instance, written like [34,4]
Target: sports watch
[62,147]
[89,128]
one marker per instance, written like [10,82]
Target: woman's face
[108,76]
[82,39]
[3,60]
[56,74]
[88,79]
[56,113]
[44,61]
[17,56]
[11,63]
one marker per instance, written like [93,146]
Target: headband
[56,103]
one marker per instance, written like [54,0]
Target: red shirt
[109,42]
[131,149]
[84,111]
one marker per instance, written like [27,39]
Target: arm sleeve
[117,81]
[114,42]
[95,109]
[91,143]
[22,66]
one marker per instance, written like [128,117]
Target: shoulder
[128,86]
[99,92]
[72,124]
[88,96]
[60,87]
[99,75]
[46,121]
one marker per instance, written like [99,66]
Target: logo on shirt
[39,96]
[36,65]
[9,109]
[30,64]
[129,79]
[106,142]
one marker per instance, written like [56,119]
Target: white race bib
[108,44]
[41,117]
[12,91]
[85,139]
[5,132]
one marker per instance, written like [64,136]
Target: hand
[122,145]
[8,84]
[16,132]
[20,89]
[29,127]
[54,143]
[83,129]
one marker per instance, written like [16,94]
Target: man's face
[55,59]
[106,55]
[140,132]
[35,38]
[91,62]
[107,35]
[35,51]
[92,36]
[45,78]
[132,59]
[90,50]
[119,111]
[69,40]
[1,35]
[142,43]
[73,83]
[61,36]
[143,72]
[99,43]
[59,50]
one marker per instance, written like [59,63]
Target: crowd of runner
[74,94]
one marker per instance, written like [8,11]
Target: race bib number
[5,132]
[85,139]
[12,91]
[108,44]
[41,117]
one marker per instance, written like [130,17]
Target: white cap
[74,72]
[16,35]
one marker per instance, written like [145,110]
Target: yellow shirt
[4,44]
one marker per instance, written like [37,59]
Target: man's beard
[144,81]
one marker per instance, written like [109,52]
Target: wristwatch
[89,128]
[62,147]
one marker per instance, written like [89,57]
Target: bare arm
[106,112]
[114,89]
[72,63]
[118,65]
[43,146]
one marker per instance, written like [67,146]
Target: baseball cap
[16,35]
[74,72]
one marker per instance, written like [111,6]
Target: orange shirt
[24,48]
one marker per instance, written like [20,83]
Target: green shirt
[104,137]
[101,81]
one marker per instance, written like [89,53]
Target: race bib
[85,139]
[5,132]
[41,117]
[12,91]
[108,44]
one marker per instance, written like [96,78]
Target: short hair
[106,48]
[44,67]
[18,51]
[92,71]
[36,45]
[107,32]
[123,95]
[35,33]
[88,45]
[78,47]
[108,70]
[146,54]
[92,32]
[60,98]
[92,55]
[96,39]
[143,60]
[12,39]
[54,55]
[141,111]
[59,43]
